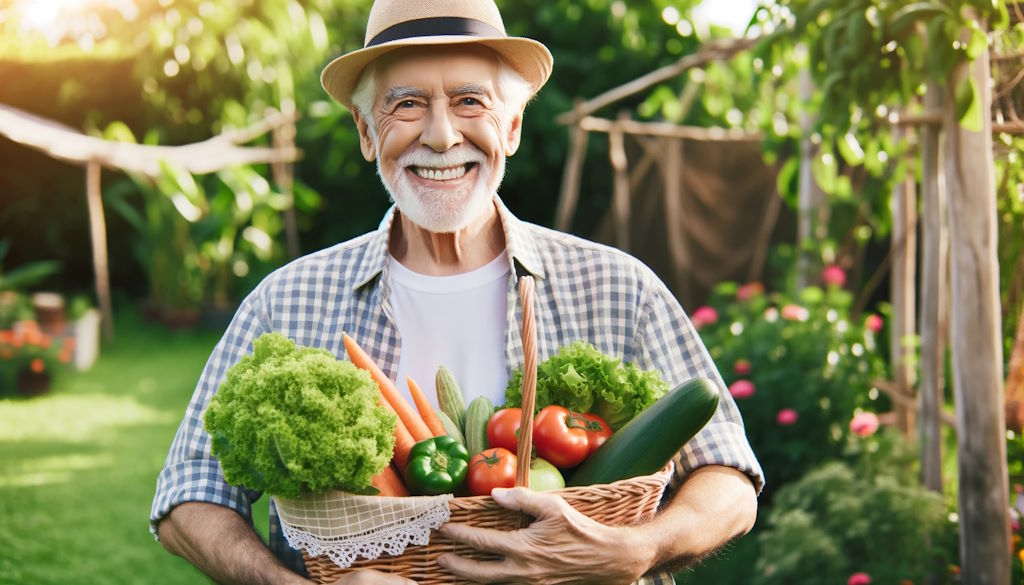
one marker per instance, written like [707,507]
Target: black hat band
[438,26]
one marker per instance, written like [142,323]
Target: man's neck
[445,254]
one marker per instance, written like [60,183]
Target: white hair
[514,91]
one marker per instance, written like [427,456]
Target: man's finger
[473,570]
[537,504]
[487,539]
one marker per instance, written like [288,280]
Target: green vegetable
[289,419]
[581,378]
[436,466]
[450,427]
[544,477]
[477,415]
[649,441]
[449,396]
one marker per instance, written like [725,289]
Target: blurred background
[788,169]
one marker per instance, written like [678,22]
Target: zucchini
[477,415]
[649,441]
[449,397]
[450,428]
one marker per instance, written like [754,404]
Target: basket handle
[529,391]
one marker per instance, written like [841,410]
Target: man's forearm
[221,544]
[715,505]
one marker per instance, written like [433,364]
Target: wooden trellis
[209,156]
[958,228]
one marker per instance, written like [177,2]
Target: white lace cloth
[347,527]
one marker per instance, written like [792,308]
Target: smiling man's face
[443,131]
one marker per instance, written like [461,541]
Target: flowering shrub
[866,521]
[799,369]
[26,352]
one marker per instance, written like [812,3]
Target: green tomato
[544,476]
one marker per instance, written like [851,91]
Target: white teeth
[441,174]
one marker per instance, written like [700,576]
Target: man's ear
[366,144]
[515,133]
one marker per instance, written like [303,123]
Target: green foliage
[800,352]
[581,378]
[289,419]
[843,518]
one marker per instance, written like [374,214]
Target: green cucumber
[477,415]
[450,428]
[649,441]
[449,396]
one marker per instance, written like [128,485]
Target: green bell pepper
[436,466]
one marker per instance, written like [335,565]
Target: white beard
[444,209]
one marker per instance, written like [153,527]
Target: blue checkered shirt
[583,291]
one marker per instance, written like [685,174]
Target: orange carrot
[401,406]
[403,440]
[426,410]
[389,484]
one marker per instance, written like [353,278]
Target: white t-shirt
[458,321]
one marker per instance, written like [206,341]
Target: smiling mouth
[442,174]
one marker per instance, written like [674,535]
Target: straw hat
[405,23]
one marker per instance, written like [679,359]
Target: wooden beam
[672,169]
[899,396]
[902,291]
[98,234]
[669,130]
[620,192]
[976,336]
[934,248]
[710,52]
[571,175]
[284,177]
[812,203]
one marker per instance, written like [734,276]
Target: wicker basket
[625,502]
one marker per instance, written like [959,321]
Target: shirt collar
[519,246]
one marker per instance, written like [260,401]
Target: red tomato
[560,436]
[598,431]
[491,469]
[502,429]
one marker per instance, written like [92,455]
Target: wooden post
[284,176]
[902,279]
[571,176]
[98,233]
[933,287]
[811,204]
[976,337]
[672,169]
[620,196]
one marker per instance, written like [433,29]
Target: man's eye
[468,101]
[407,104]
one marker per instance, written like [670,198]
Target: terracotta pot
[49,309]
[33,384]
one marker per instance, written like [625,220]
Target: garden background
[803,346]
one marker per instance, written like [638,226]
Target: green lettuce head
[289,419]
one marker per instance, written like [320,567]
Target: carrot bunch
[412,426]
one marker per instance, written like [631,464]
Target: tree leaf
[968,106]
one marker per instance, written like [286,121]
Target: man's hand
[561,546]
[372,578]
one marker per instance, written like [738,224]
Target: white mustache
[426,157]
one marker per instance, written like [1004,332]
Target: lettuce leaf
[581,378]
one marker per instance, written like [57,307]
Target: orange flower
[65,356]
[906,582]
[45,341]
[69,343]
[954,569]
[37,365]
[1021,555]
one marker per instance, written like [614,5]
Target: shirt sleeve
[667,341]
[191,473]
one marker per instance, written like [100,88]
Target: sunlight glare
[731,14]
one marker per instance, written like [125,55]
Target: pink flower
[833,275]
[786,417]
[859,579]
[864,424]
[795,313]
[873,323]
[741,367]
[742,389]
[704,315]
[749,290]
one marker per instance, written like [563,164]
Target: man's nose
[440,133]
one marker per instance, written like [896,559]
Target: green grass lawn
[78,466]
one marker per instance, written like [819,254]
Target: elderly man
[438,94]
